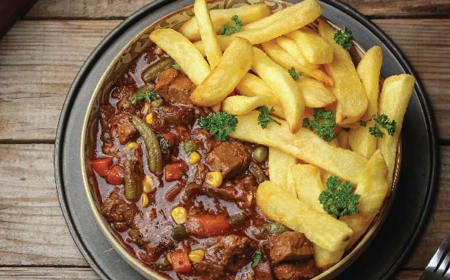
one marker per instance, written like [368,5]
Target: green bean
[152,73]
[132,178]
[155,161]
[257,172]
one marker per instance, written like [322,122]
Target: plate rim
[425,107]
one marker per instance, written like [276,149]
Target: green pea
[260,154]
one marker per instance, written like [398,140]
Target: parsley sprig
[344,38]
[219,124]
[294,74]
[149,95]
[264,117]
[257,257]
[323,124]
[338,199]
[381,121]
[231,29]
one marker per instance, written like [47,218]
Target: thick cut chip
[395,96]
[326,258]
[241,105]
[348,89]
[183,52]
[360,140]
[293,50]
[220,17]
[284,208]
[224,42]
[283,87]
[304,145]
[252,85]
[315,93]
[212,48]
[279,163]
[282,22]
[308,184]
[234,64]
[281,57]
[315,49]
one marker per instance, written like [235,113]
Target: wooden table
[40,57]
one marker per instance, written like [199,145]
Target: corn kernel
[194,157]
[147,184]
[179,215]
[169,258]
[149,119]
[214,178]
[132,146]
[145,200]
[196,256]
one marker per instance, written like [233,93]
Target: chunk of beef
[296,271]
[174,87]
[118,211]
[230,157]
[290,246]
[203,139]
[241,191]
[165,116]
[123,94]
[228,254]
[123,127]
[263,271]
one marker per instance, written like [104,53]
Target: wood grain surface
[39,58]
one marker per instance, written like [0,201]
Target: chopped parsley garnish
[294,74]
[381,121]
[257,257]
[231,29]
[264,117]
[344,38]
[338,199]
[176,66]
[219,124]
[323,124]
[148,95]
[164,143]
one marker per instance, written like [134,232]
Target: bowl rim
[350,255]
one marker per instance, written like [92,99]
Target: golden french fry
[224,42]
[348,89]
[282,22]
[283,87]
[315,93]
[304,145]
[234,64]
[220,17]
[360,140]
[343,139]
[314,48]
[212,48]
[281,57]
[252,85]
[241,105]
[293,50]
[308,184]
[326,258]
[282,207]
[183,52]
[395,95]
[279,163]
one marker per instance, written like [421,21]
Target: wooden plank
[33,231]
[42,52]
[85,273]
[44,273]
[106,9]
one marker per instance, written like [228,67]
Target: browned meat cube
[165,116]
[296,271]
[118,211]
[263,271]
[228,254]
[164,79]
[231,158]
[290,246]
[123,127]
[124,93]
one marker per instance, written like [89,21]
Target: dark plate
[417,178]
